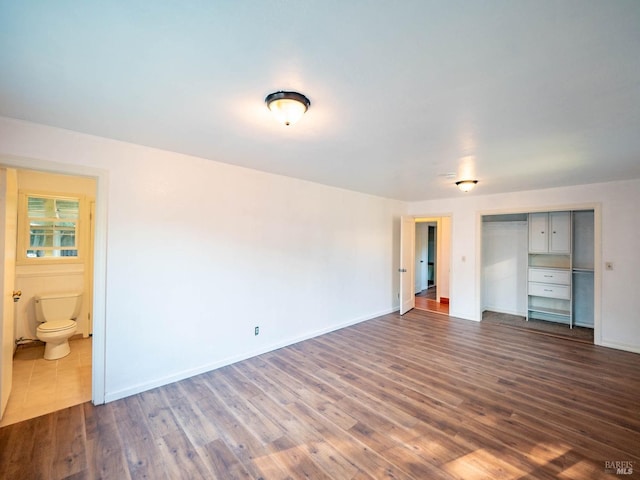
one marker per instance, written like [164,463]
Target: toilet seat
[56,326]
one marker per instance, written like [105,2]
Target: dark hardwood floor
[422,396]
[579,334]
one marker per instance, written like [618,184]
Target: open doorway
[431,264]
[426,267]
[40,385]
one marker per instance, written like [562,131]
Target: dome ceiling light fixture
[287,107]
[466,185]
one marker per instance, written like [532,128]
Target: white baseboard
[158,382]
[620,346]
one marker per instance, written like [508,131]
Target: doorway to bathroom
[40,386]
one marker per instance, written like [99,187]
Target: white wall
[200,252]
[616,204]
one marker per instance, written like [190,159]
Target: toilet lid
[56,325]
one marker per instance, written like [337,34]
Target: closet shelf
[551,311]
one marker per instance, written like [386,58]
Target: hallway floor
[43,386]
[426,300]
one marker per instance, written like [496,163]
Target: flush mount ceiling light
[466,185]
[287,107]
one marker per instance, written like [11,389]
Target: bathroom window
[50,228]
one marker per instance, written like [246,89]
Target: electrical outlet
[256,331]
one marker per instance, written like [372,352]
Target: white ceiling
[519,94]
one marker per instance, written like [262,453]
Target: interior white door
[8,229]
[406,269]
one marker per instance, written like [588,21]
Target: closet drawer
[547,275]
[549,290]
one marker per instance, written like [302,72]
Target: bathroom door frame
[99,282]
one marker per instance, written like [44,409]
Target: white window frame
[24,230]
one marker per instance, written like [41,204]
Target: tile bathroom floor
[42,386]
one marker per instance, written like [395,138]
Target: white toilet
[56,314]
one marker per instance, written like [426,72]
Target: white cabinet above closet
[550,232]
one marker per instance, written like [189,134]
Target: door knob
[16,295]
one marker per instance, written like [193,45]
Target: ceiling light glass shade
[466,185]
[287,107]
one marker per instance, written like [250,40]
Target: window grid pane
[52,227]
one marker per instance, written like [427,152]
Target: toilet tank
[59,306]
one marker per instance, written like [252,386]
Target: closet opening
[537,272]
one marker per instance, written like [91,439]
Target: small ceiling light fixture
[287,107]
[466,185]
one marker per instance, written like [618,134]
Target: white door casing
[407,253]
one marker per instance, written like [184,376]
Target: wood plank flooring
[431,305]
[426,300]
[579,334]
[422,396]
